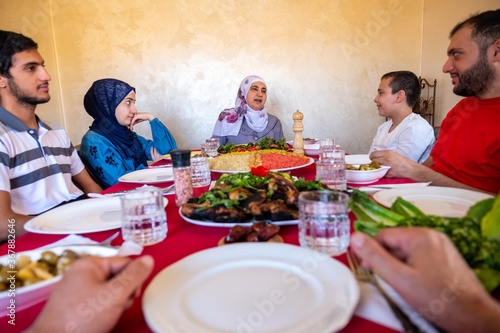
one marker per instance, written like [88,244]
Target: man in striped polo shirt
[38,163]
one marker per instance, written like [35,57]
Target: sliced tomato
[259,171]
[251,149]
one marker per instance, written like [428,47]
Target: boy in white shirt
[406,133]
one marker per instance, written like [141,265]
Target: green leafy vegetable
[406,209]
[218,198]
[302,185]
[490,224]
[264,143]
[367,210]
[243,179]
[476,236]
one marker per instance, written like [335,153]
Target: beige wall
[187,58]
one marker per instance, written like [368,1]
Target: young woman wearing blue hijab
[110,148]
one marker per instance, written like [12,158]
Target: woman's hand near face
[139,117]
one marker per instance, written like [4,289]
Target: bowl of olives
[37,271]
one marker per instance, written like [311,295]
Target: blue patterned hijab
[100,102]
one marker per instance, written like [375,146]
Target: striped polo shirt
[36,168]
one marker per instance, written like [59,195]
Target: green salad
[476,235]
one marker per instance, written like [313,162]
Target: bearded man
[38,163]
[467,152]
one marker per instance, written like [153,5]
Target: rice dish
[230,162]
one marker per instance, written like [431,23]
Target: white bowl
[357,159]
[365,176]
[311,149]
[27,296]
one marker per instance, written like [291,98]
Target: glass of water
[144,220]
[214,142]
[332,170]
[209,149]
[324,224]
[326,148]
[200,171]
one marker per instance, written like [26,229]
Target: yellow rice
[230,162]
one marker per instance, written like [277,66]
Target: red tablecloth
[183,239]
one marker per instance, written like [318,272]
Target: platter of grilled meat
[243,199]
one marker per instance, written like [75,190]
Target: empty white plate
[149,176]
[434,200]
[250,287]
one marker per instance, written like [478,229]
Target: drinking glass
[326,148]
[332,170]
[200,171]
[214,142]
[209,149]
[324,224]
[144,220]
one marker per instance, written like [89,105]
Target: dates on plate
[258,232]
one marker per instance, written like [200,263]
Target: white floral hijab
[230,120]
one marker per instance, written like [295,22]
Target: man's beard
[475,80]
[23,98]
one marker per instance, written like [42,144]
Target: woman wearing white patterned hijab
[248,121]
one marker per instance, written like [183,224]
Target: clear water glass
[200,171]
[324,224]
[332,171]
[144,220]
[326,148]
[208,149]
[214,142]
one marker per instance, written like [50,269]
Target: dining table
[183,239]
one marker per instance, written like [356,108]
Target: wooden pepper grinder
[298,142]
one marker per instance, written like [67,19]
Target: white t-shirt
[413,138]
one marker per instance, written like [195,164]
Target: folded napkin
[372,306]
[126,249]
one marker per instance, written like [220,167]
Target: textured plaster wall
[33,18]
[439,18]
[187,57]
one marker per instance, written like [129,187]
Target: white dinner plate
[232,224]
[149,176]
[80,217]
[311,161]
[30,295]
[252,287]
[434,200]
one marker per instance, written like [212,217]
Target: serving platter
[28,296]
[252,287]
[311,161]
[207,223]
